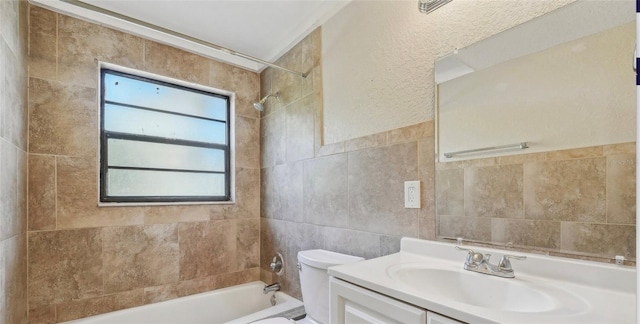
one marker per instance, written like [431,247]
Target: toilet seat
[274,320]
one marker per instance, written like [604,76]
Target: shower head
[259,106]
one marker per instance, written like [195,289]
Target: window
[162,142]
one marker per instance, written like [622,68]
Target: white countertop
[604,293]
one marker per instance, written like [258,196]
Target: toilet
[314,283]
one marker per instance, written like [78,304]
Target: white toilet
[314,282]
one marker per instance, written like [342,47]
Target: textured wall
[86,260]
[13,161]
[378,58]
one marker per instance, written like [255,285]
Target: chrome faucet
[272,287]
[478,262]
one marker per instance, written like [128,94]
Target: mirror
[563,84]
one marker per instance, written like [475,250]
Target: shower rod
[179,35]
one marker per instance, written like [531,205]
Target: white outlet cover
[412,194]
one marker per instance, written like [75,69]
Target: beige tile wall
[579,201]
[13,161]
[348,196]
[86,260]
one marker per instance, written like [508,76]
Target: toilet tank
[314,280]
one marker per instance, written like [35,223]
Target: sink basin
[475,289]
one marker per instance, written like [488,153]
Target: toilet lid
[274,320]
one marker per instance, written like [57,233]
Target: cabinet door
[433,318]
[351,304]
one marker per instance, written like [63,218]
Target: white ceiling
[265,29]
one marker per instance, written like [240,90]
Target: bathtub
[238,305]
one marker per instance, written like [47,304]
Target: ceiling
[264,29]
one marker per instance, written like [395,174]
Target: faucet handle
[505,264]
[473,258]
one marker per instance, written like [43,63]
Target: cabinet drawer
[433,318]
[351,304]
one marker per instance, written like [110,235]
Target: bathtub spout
[272,287]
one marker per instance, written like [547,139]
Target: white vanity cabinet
[351,304]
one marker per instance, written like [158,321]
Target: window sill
[134,204]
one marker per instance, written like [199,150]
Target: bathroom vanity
[426,283]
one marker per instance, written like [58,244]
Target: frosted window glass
[147,94]
[131,183]
[164,156]
[162,142]
[144,122]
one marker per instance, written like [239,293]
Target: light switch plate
[412,194]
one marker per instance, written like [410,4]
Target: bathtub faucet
[272,287]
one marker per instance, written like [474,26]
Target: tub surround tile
[603,239]
[88,307]
[300,125]
[160,293]
[236,278]
[10,219]
[376,190]
[175,63]
[42,315]
[9,24]
[176,214]
[247,246]
[43,53]
[621,189]
[282,188]
[266,78]
[195,286]
[247,204]
[273,189]
[139,256]
[271,233]
[82,44]
[77,201]
[273,139]
[13,114]
[291,87]
[267,276]
[62,119]
[181,249]
[216,240]
[494,191]
[245,84]
[13,280]
[64,266]
[325,197]
[247,142]
[565,190]
[42,196]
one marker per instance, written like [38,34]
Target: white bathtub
[238,305]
